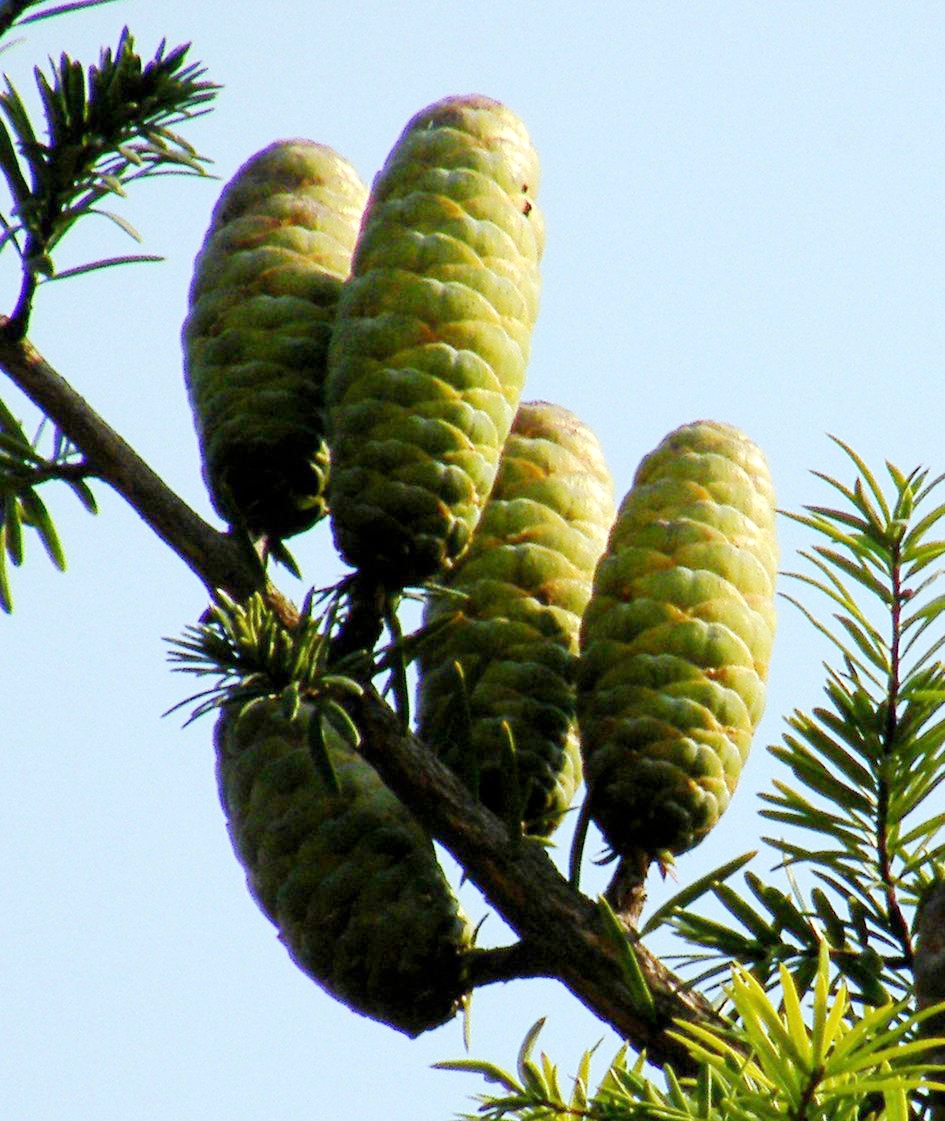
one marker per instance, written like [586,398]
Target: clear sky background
[745,205]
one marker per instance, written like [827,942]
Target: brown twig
[364,622]
[504,963]
[626,892]
[11,11]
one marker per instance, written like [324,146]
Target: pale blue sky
[745,205]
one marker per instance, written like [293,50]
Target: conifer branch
[561,928]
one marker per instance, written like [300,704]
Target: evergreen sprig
[777,1062]
[24,468]
[104,127]
[253,654]
[866,763]
[772,928]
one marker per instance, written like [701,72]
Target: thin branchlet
[105,127]
[802,1112]
[13,13]
[898,595]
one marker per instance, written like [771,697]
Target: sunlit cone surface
[525,579]
[262,303]
[676,640]
[349,878]
[428,357]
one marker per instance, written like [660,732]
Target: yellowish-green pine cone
[428,357]
[519,594]
[349,877]
[262,303]
[676,641]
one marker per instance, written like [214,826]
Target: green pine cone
[262,304]
[428,357]
[526,579]
[676,641]
[349,878]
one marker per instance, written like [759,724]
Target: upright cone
[676,641]
[497,682]
[262,303]
[428,357]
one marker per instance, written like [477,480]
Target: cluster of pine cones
[362,355]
